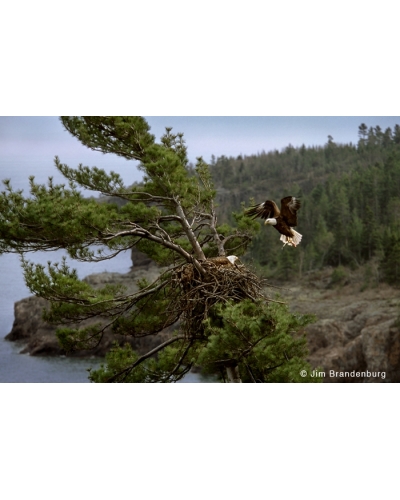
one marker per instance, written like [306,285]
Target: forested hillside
[350,196]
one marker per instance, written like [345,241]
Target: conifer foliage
[224,322]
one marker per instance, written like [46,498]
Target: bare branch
[144,233]
[189,233]
[166,218]
[213,227]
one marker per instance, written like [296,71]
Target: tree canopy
[223,320]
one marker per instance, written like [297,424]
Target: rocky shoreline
[356,335]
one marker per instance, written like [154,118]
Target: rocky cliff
[356,336]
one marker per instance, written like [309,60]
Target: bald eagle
[283,220]
[225,261]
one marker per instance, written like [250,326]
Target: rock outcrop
[356,337]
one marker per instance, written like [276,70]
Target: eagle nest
[223,281]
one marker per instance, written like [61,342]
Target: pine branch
[142,358]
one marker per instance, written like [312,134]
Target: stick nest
[220,283]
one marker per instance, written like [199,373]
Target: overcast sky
[28,144]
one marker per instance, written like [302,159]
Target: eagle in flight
[283,220]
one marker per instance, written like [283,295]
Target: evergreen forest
[350,194]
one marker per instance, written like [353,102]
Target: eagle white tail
[293,241]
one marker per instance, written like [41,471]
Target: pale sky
[28,144]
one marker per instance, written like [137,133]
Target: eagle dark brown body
[283,220]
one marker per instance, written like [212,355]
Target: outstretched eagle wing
[289,207]
[264,210]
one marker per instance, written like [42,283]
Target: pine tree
[171,217]
[396,134]
[387,138]
[390,263]
[362,134]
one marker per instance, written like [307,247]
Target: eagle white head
[232,259]
[270,222]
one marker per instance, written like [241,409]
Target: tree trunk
[233,374]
